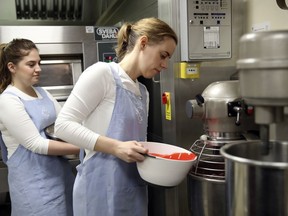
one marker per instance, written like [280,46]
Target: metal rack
[210,163]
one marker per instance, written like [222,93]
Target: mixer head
[263,74]
[223,111]
[263,77]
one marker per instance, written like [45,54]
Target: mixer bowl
[162,171]
[257,183]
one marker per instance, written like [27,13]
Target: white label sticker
[192,70]
[261,27]
[89,29]
[211,37]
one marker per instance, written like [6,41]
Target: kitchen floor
[154,195]
[5,206]
[5,210]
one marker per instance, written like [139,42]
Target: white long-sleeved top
[87,112]
[17,127]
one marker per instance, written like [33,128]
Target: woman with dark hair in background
[106,114]
[40,182]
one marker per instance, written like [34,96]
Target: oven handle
[60,61]
[61,98]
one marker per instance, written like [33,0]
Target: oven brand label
[104,33]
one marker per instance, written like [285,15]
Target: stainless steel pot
[49,132]
[257,184]
[206,196]
[206,179]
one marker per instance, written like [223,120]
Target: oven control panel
[206,29]
[106,52]
[106,39]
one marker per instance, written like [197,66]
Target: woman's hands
[129,151]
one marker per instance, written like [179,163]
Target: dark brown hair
[155,29]
[14,52]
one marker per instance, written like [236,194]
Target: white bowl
[161,171]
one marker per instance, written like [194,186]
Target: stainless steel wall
[56,40]
[182,131]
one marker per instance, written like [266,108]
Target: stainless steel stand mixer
[226,119]
[257,172]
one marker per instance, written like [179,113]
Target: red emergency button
[250,110]
[164,98]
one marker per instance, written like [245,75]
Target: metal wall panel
[180,130]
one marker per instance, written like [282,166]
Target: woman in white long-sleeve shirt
[106,114]
[40,182]
[13,111]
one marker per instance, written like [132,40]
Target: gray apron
[106,185]
[39,185]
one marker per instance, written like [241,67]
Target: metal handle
[282,4]
[156,81]
[148,155]
[238,110]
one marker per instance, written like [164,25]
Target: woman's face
[27,71]
[155,57]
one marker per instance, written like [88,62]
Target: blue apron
[39,185]
[106,185]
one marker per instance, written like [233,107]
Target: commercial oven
[59,76]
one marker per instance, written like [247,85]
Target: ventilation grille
[49,9]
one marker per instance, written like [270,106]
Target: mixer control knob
[194,110]
[249,110]
[200,100]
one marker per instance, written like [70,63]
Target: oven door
[59,77]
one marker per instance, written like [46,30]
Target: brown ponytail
[155,29]
[123,39]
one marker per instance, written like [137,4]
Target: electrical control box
[188,70]
[206,31]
